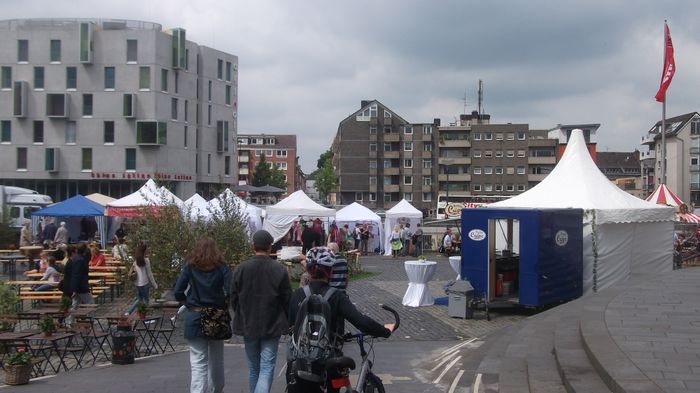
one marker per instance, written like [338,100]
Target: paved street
[424,334]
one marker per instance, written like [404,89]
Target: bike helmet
[320,256]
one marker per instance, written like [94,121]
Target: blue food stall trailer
[522,256]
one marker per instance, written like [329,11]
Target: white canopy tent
[280,217]
[355,214]
[402,213]
[623,235]
[131,205]
[197,207]
[253,213]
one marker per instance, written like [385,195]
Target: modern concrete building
[99,105]
[279,150]
[682,157]
[380,158]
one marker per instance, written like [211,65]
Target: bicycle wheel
[373,384]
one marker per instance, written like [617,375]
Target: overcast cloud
[306,65]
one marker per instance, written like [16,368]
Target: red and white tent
[663,196]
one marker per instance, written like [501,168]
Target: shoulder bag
[216,322]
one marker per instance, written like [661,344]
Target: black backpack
[312,341]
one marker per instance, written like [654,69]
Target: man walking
[260,296]
[418,241]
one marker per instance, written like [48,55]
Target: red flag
[669,66]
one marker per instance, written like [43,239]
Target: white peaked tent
[197,206]
[253,213]
[622,234]
[280,217]
[130,205]
[354,214]
[402,213]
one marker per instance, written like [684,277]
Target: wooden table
[47,346]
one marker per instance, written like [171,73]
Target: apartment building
[682,157]
[279,151]
[380,158]
[102,105]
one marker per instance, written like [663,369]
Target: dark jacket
[207,289]
[341,308]
[77,274]
[260,296]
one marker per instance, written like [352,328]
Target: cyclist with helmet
[319,264]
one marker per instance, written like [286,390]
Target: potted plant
[18,367]
[8,307]
[141,310]
[422,258]
[47,326]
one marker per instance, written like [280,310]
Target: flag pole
[663,141]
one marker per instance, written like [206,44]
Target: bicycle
[339,368]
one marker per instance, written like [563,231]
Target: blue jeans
[207,363]
[142,297]
[262,356]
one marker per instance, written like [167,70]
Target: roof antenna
[481,95]
[464,101]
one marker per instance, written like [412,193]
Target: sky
[305,65]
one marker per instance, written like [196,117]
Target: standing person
[357,236]
[25,235]
[333,233]
[406,235]
[209,281]
[364,239]
[260,296]
[309,238]
[395,241]
[447,242]
[418,241]
[339,273]
[49,233]
[343,238]
[79,287]
[61,234]
[144,275]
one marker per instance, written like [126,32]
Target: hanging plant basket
[17,374]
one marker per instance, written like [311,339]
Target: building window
[488,154]
[427,130]
[388,129]
[408,146]
[427,197]
[521,187]
[6,135]
[521,153]
[477,187]
[387,146]
[509,187]
[488,170]
[228,71]
[358,196]
[22,51]
[476,170]
[510,170]
[373,130]
[208,164]
[408,196]
[372,147]
[427,146]
[227,165]
[38,131]
[22,158]
[151,133]
[499,153]
[476,153]
[110,78]
[258,152]
[499,137]
[488,187]
[373,180]
[108,132]
[408,129]
[427,164]
[209,115]
[521,136]
[38,77]
[87,104]
[50,159]
[373,164]
[132,47]
[144,78]
[373,111]
[184,136]
[186,106]
[408,163]
[510,136]
[427,181]
[130,159]
[55,51]
[222,137]
[71,77]
[372,196]
[177,82]
[499,170]
[476,136]
[408,180]
[129,109]
[281,166]
[228,95]
[510,153]
[499,187]
[281,153]
[488,136]
[173,108]
[387,197]
[387,180]
[163,79]
[6,77]
[209,91]
[71,132]
[521,170]
[387,164]
[387,114]
[86,161]
[219,69]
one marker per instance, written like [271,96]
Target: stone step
[541,363]
[492,363]
[613,366]
[576,371]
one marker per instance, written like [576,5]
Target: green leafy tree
[326,181]
[277,178]
[320,163]
[262,173]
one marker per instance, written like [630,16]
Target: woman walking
[395,241]
[209,280]
[144,275]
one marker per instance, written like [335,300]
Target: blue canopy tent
[77,206]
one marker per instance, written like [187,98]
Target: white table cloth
[419,273]
[456,263]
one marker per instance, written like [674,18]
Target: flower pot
[17,374]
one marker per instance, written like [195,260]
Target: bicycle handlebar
[396,316]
